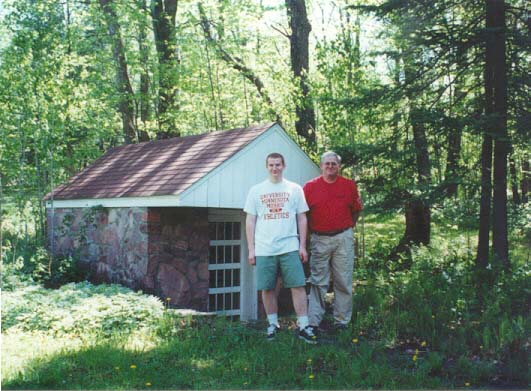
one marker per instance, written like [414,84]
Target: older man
[276,220]
[335,206]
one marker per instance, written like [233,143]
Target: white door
[232,285]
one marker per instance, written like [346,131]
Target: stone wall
[178,256]
[111,243]
[163,251]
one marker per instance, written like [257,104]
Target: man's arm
[302,226]
[250,227]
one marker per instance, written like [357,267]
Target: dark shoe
[316,330]
[272,331]
[308,336]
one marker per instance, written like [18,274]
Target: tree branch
[235,62]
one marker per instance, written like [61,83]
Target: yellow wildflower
[467,384]
[354,340]
[133,366]
[414,358]
[416,352]
[433,316]
[117,368]
[168,298]
[309,361]
[311,377]
[423,343]
[148,384]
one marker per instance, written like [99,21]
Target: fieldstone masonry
[163,251]
[178,255]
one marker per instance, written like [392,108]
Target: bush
[461,211]
[79,309]
[26,259]
[32,262]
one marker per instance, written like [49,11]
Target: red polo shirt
[331,204]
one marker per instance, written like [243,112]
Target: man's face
[275,167]
[330,166]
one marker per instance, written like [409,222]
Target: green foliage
[444,301]
[25,257]
[463,212]
[519,219]
[79,309]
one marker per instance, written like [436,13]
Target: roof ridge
[256,127]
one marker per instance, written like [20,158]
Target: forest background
[426,101]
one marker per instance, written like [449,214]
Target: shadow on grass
[224,356]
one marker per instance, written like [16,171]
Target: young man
[276,209]
[335,206]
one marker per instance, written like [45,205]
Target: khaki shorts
[290,266]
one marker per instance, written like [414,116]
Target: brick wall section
[178,255]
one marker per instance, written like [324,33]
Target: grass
[207,354]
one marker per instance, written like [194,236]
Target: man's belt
[331,233]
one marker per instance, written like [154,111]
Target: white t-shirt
[276,206]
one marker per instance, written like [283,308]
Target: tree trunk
[417,209]
[299,49]
[452,162]
[417,222]
[496,38]
[126,105]
[144,101]
[421,147]
[418,214]
[163,13]
[482,258]
[514,180]
[526,179]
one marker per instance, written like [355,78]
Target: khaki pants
[331,255]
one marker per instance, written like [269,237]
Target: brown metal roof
[162,167]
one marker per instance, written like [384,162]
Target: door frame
[248,292]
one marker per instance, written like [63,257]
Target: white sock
[273,319]
[303,321]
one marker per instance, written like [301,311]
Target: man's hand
[252,259]
[303,254]
[302,227]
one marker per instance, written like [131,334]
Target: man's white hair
[329,154]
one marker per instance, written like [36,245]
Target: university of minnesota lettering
[275,203]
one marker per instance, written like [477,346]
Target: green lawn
[212,354]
